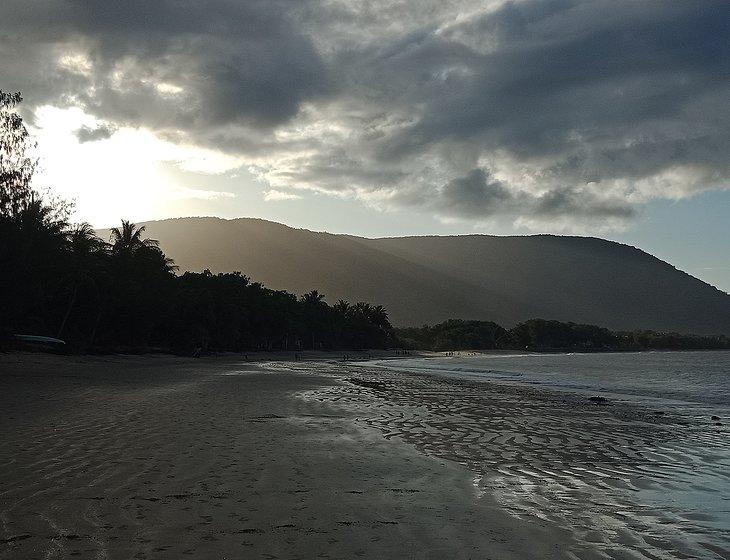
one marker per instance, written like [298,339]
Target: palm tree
[379,316]
[128,238]
[313,298]
[342,307]
[37,219]
[140,278]
[314,306]
[84,250]
[37,236]
[362,309]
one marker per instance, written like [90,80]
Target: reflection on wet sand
[630,481]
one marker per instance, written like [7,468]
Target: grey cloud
[339,172]
[241,62]
[593,97]
[478,195]
[567,201]
[566,78]
[87,134]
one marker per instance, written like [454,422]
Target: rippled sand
[597,470]
[170,458]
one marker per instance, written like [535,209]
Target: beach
[157,457]
[165,457]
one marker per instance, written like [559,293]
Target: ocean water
[664,491]
[695,379]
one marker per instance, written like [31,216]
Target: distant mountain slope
[429,279]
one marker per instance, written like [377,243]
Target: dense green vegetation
[541,335]
[63,281]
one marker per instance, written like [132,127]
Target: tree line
[541,335]
[61,280]
[123,295]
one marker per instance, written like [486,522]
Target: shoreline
[509,378]
[358,355]
[554,454]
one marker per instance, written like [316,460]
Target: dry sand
[161,457]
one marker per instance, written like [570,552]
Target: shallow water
[634,487]
[696,378]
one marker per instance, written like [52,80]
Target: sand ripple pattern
[622,477]
[164,458]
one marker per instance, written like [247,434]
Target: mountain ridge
[426,279]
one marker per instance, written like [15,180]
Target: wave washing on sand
[688,378]
[631,478]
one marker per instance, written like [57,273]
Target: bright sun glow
[122,176]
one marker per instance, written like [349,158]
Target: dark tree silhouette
[128,238]
[547,336]
[315,315]
[17,166]
[86,254]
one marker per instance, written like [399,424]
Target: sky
[379,118]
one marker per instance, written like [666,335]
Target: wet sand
[160,457]
[621,477]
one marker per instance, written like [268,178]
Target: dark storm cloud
[229,61]
[606,99]
[478,195]
[561,69]
[475,194]
[534,109]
